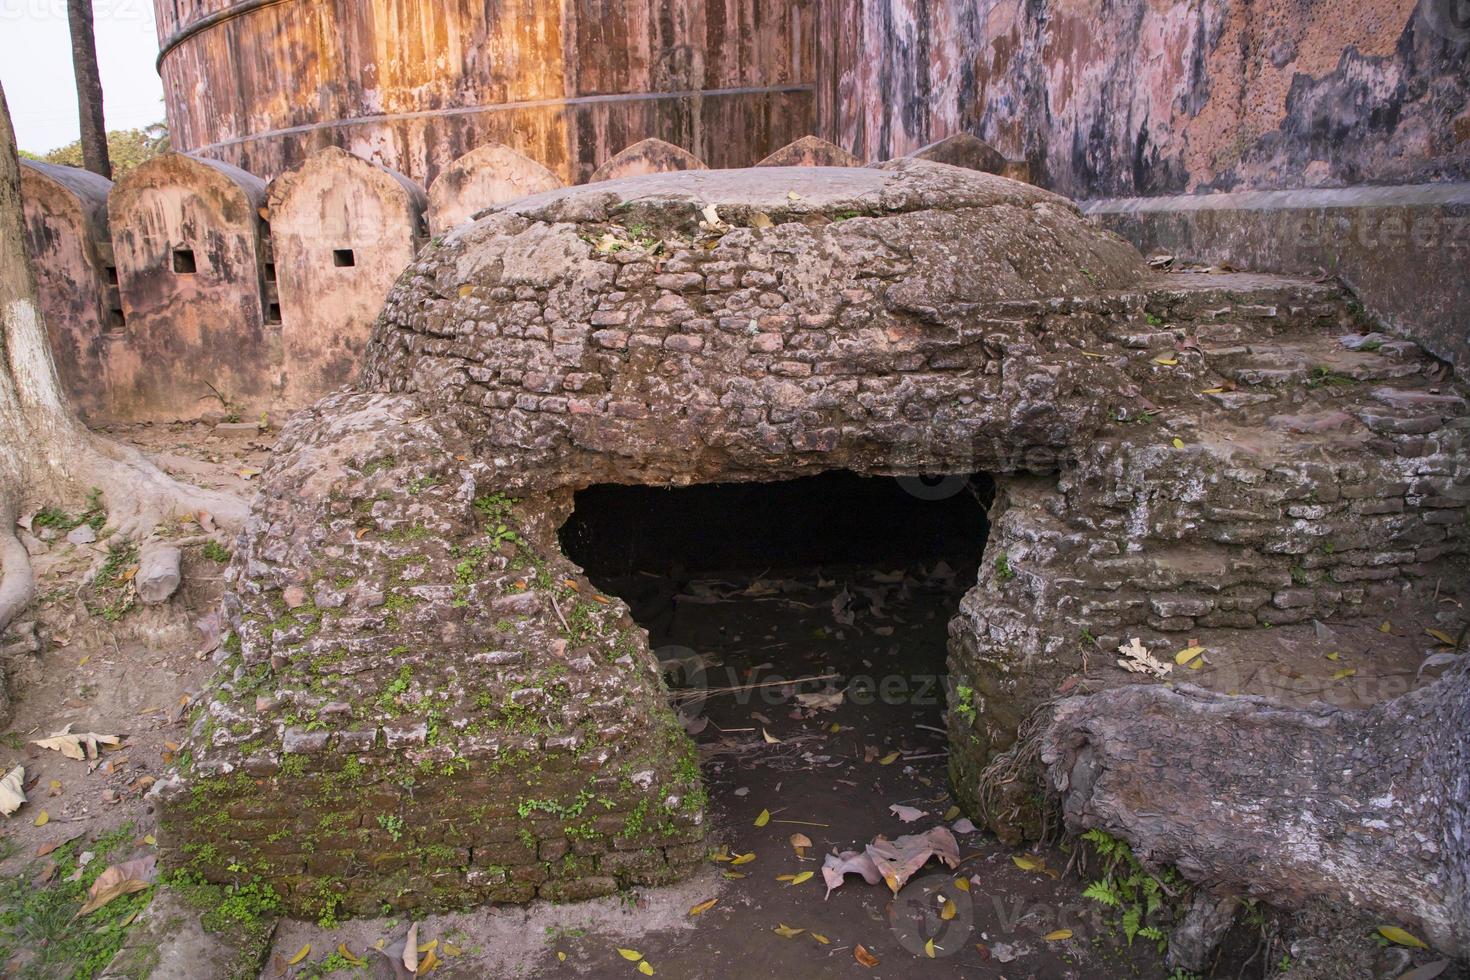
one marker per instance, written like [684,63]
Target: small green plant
[1324,377]
[94,516]
[393,825]
[1139,898]
[113,596]
[215,551]
[1003,570]
[964,703]
[1152,320]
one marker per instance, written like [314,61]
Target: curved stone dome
[690,325]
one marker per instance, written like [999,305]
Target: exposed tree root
[17,580]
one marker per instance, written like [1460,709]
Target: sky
[35,67]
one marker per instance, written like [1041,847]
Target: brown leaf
[119,880]
[864,957]
[899,859]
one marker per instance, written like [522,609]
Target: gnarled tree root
[1249,797]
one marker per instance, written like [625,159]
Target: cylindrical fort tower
[413,84]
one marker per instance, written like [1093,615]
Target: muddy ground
[815,693]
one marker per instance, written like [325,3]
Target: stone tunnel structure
[424,703]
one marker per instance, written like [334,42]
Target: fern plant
[1138,896]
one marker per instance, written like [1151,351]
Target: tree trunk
[46,454]
[89,87]
[1249,797]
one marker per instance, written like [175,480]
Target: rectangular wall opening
[746,588]
[343,258]
[184,263]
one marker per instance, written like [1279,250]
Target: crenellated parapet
[193,288]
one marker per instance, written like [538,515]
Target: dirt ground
[828,759]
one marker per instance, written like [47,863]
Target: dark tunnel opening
[837,576]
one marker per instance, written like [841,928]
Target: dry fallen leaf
[301,954]
[787,932]
[12,790]
[907,814]
[411,949]
[864,957]
[703,906]
[763,819]
[631,955]
[888,759]
[645,968]
[1403,938]
[821,938]
[740,859]
[119,880]
[79,745]
[770,739]
[1187,654]
[1057,935]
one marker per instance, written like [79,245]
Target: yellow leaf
[929,948]
[821,939]
[1187,654]
[1027,863]
[1178,443]
[1213,391]
[1441,637]
[561,957]
[703,906]
[1168,360]
[733,875]
[947,912]
[465,289]
[42,818]
[429,962]
[834,728]
[1385,626]
[963,884]
[770,739]
[786,932]
[763,819]
[349,956]
[150,840]
[631,955]
[429,946]
[1396,935]
[645,968]
[301,954]
[740,859]
[888,759]
[1344,673]
[452,950]
[1056,935]
[950,814]
[804,876]
[1334,655]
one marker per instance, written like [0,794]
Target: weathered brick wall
[423,704]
